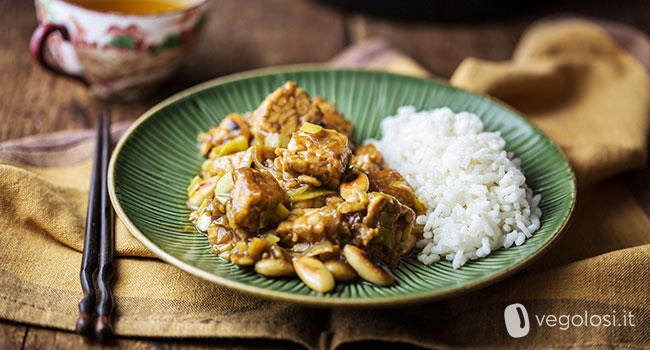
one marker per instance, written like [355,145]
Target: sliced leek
[194,185]
[419,207]
[238,144]
[271,238]
[309,194]
[225,184]
[311,128]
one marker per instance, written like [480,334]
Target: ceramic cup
[119,56]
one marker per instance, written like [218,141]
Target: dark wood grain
[11,335]
[441,47]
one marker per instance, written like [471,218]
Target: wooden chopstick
[98,243]
[103,327]
[91,240]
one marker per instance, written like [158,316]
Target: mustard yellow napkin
[578,86]
[601,265]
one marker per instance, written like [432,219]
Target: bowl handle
[37,45]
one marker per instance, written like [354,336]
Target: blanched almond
[314,274]
[274,268]
[342,272]
[368,270]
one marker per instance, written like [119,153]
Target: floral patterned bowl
[118,56]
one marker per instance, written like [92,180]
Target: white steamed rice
[476,196]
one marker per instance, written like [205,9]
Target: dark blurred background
[439,10]
[472,10]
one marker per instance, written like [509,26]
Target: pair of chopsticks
[98,243]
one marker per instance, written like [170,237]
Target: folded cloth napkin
[569,77]
[579,87]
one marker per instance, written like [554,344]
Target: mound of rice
[476,196]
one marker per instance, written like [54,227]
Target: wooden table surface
[243,35]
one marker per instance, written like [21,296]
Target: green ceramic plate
[156,159]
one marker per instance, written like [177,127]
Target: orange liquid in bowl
[138,7]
